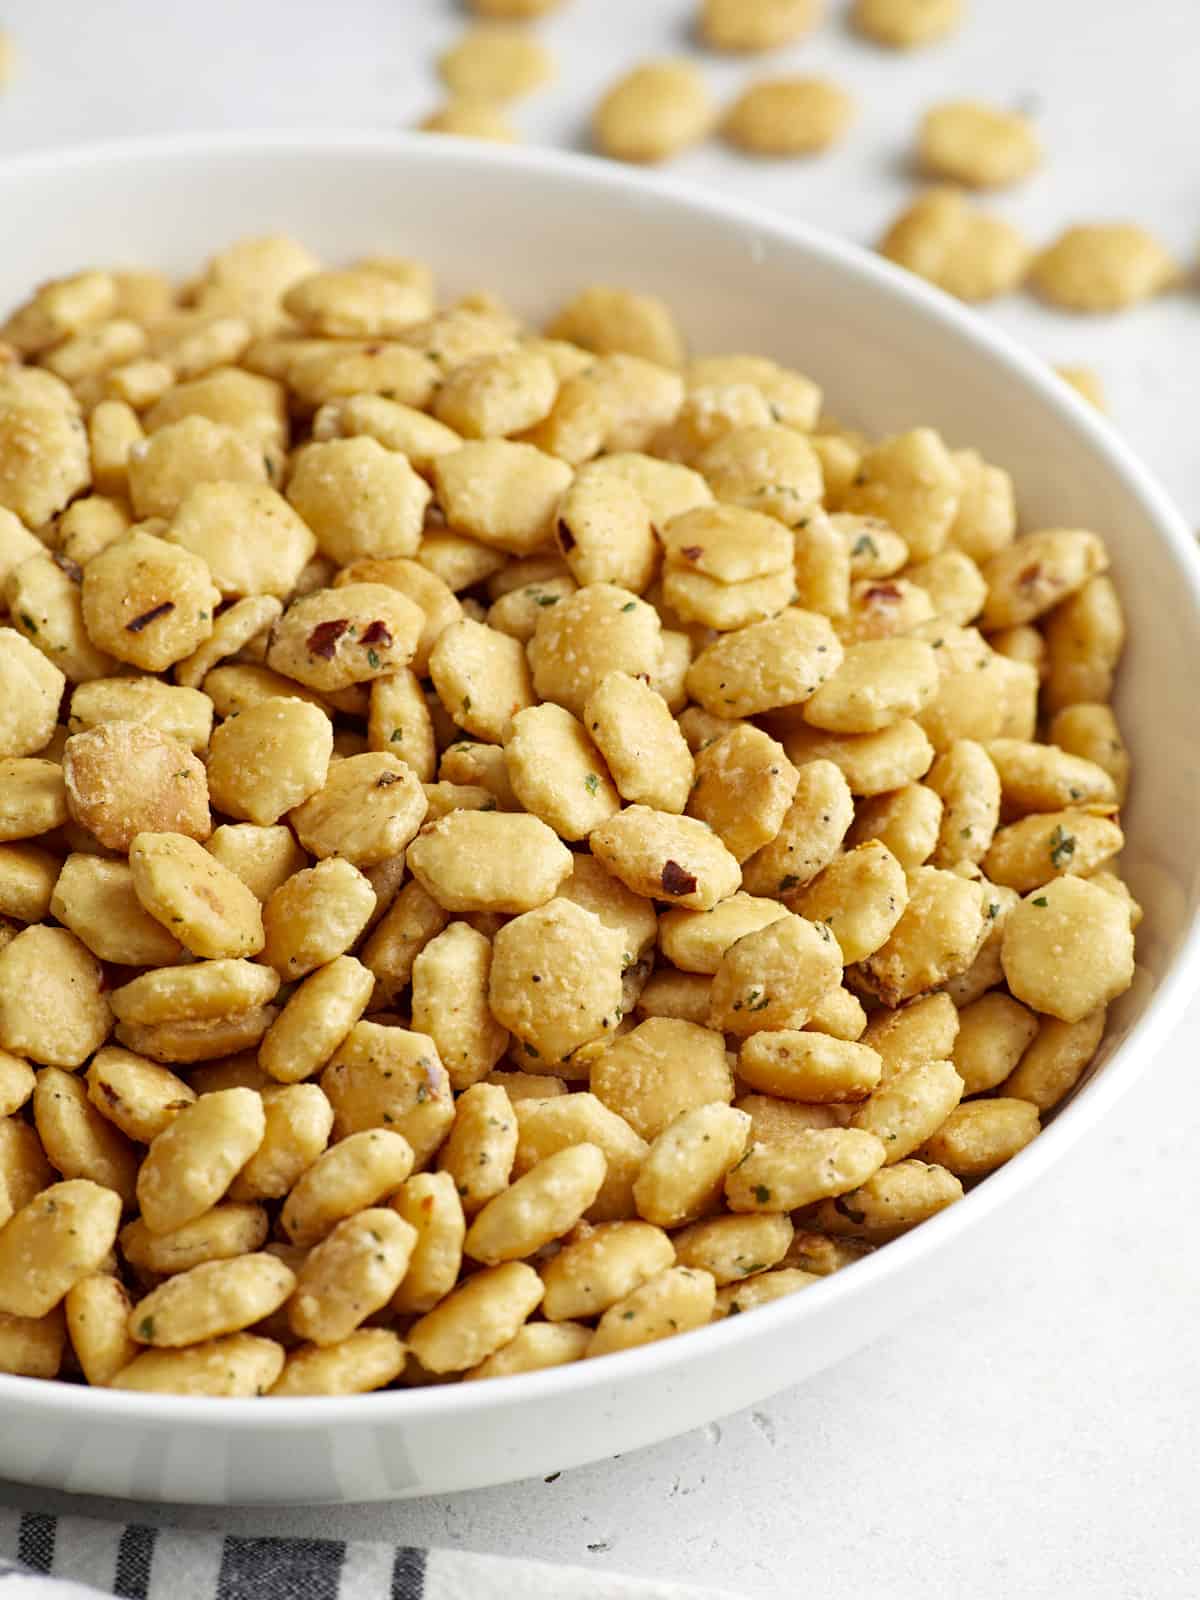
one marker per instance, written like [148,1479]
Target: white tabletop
[1034,1432]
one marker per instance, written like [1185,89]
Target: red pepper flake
[323,640]
[147,617]
[377,633]
[72,568]
[676,879]
[881,591]
[1029,575]
[692,552]
[566,539]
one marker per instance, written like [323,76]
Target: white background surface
[1034,1432]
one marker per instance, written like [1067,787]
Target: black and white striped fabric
[71,1558]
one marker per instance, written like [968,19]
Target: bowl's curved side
[403,1445]
[890,352]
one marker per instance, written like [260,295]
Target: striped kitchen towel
[73,1558]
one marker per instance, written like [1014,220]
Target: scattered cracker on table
[653,113]
[495,64]
[750,26]
[788,116]
[513,10]
[964,141]
[1087,383]
[471,119]
[906,24]
[969,253]
[1102,266]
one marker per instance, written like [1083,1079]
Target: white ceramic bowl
[890,353]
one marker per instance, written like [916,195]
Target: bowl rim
[1130,1059]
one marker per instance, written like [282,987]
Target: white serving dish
[890,353]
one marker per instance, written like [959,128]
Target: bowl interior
[889,353]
